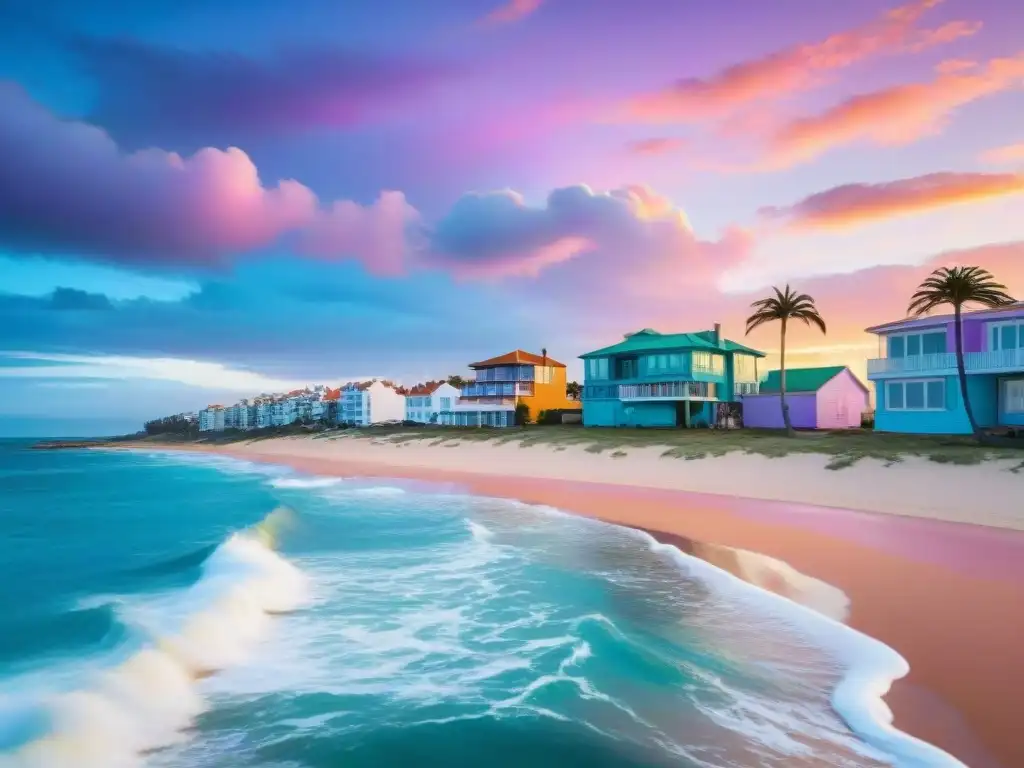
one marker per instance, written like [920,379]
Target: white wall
[385,404]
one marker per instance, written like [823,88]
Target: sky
[202,200]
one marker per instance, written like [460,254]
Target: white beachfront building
[424,403]
[370,402]
[211,419]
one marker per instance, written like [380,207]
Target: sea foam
[145,702]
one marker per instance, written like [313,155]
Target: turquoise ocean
[182,610]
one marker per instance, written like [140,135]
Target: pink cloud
[1005,155]
[893,116]
[66,186]
[852,204]
[656,146]
[798,68]
[512,11]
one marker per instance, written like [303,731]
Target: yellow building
[502,383]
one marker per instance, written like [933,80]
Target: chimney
[718,334]
[544,354]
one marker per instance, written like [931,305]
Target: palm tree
[957,286]
[785,306]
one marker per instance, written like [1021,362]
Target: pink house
[818,398]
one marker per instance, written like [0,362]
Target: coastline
[956,581]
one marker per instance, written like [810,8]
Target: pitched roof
[518,357]
[649,340]
[424,389]
[332,394]
[803,379]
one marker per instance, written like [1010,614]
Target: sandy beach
[929,557]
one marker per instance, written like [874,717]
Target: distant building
[917,389]
[425,403]
[652,379]
[211,419]
[818,398]
[370,402]
[236,416]
[501,383]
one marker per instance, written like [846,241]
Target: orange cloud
[512,11]
[892,116]
[655,146]
[852,204]
[1011,153]
[794,69]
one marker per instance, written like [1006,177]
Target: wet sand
[947,596]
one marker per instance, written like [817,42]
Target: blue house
[916,385]
[652,379]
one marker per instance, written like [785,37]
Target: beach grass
[844,448]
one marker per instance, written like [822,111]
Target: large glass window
[914,344]
[597,368]
[915,395]
[1004,336]
[708,362]
[745,368]
[1013,396]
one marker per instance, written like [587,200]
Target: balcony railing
[668,390]
[746,388]
[1001,361]
[498,390]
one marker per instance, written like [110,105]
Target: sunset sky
[205,199]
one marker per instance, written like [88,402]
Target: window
[446,403]
[915,344]
[597,368]
[706,362]
[1003,336]
[1013,396]
[916,395]
[745,368]
[544,373]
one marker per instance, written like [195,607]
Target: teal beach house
[652,379]
[915,378]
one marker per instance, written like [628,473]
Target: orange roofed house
[502,383]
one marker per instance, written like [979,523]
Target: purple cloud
[67,187]
[165,96]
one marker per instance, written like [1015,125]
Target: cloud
[797,68]
[67,187]
[191,372]
[74,299]
[497,234]
[1005,155]
[893,116]
[852,204]
[656,146]
[512,11]
[150,95]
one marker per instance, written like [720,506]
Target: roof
[424,389]
[517,357]
[927,320]
[332,394]
[649,340]
[804,379]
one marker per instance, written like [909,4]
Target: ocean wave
[146,701]
[871,666]
[305,482]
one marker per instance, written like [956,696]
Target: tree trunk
[961,373]
[782,384]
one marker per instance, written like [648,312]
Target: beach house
[915,374]
[818,398]
[370,402]
[425,402]
[501,383]
[652,379]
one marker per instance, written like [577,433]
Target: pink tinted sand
[949,597]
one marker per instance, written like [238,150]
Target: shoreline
[957,581]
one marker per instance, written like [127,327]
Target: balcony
[668,390]
[505,373]
[504,389]
[746,388]
[944,363]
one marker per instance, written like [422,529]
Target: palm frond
[957,286]
[785,305]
